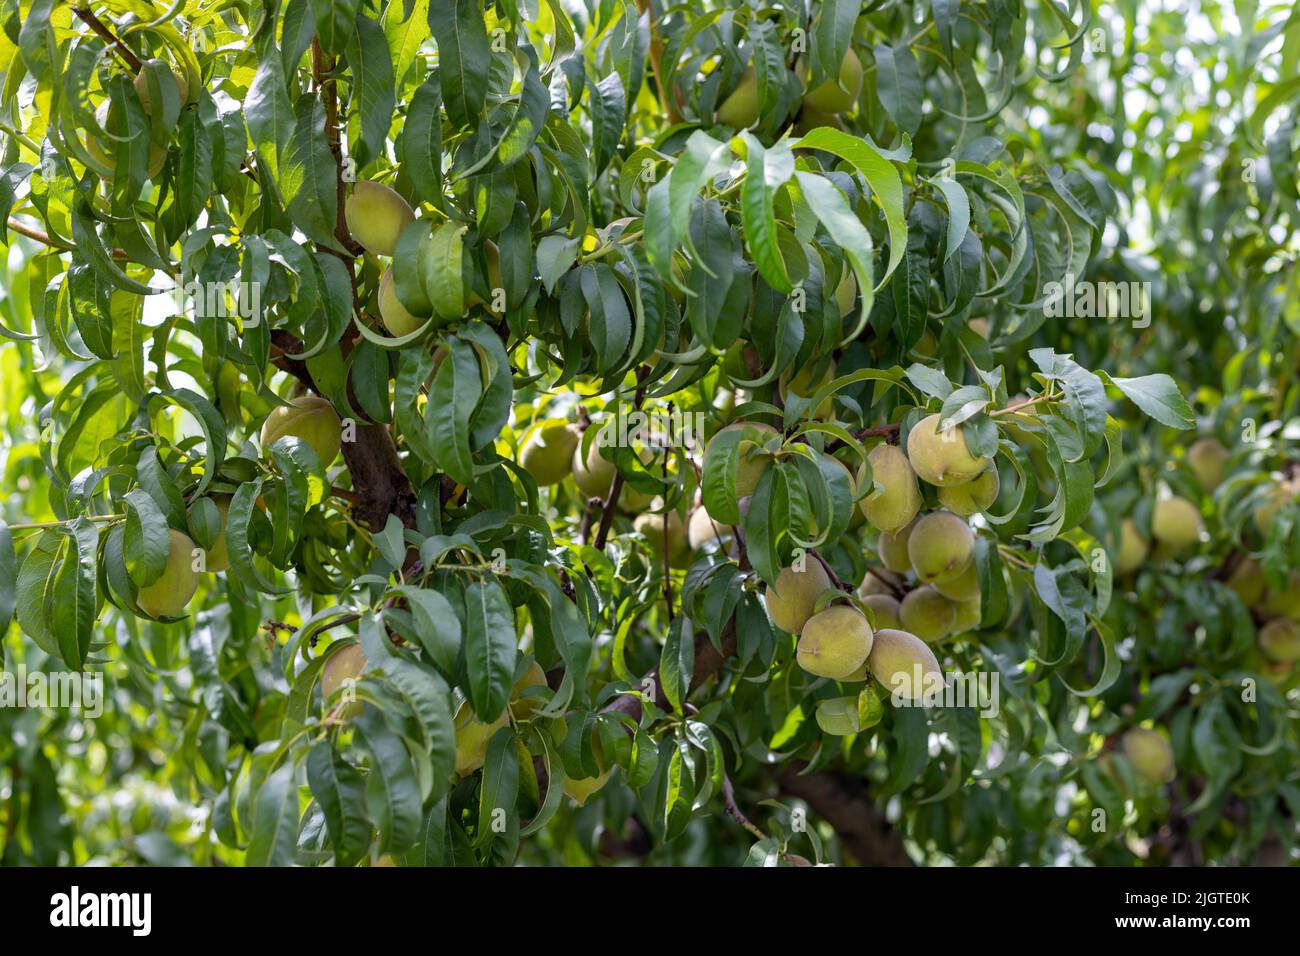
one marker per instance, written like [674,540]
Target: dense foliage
[556,432]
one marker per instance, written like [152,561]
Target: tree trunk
[843,802]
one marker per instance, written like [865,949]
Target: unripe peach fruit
[173,590]
[310,418]
[376,216]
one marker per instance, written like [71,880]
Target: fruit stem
[895,588]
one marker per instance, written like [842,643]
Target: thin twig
[666,96]
[607,515]
[894,586]
[835,578]
[616,487]
[888,432]
[40,525]
[668,578]
[1012,409]
[31,232]
[346,495]
[729,801]
[128,56]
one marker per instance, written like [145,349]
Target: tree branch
[377,475]
[843,802]
[733,809]
[616,487]
[840,585]
[888,432]
[123,51]
[321,66]
[380,483]
[31,232]
[667,97]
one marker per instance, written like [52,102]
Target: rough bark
[371,457]
[843,802]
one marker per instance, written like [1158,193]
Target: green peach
[928,614]
[835,642]
[1150,755]
[169,595]
[547,450]
[376,215]
[891,507]
[942,457]
[310,418]
[903,663]
[1176,524]
[397,320]
[940,546]
[838,94]
[791,599]
[973,497]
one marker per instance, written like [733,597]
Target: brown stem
[584,533]
[283,345]
[321,66]
[826,565]
[880,431]
[887,581]
[127,55]
[888,432]
[31,232]
[729,802]
[667,97]
[346,495]
[382,487]
[668,578]
[607,513]
[616,488]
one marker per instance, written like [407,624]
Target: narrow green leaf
[341,793]
[490,648]
[463,57]
[275,820]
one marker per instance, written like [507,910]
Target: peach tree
[472,433]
